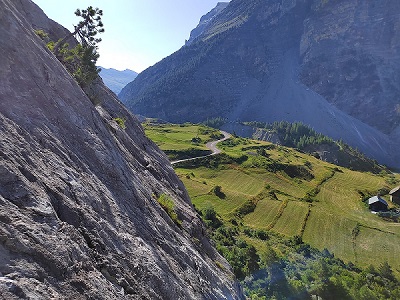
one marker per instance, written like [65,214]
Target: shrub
[85,69]
[247,207]
[120,122]
[383,191]
[196,140]
[169,206]
[210,217]
[386,271]
[217,190]
[42,34]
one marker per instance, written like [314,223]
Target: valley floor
[273,189]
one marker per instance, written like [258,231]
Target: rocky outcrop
[79,217]
[329,64]
[31,13]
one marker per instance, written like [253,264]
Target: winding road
[210,145]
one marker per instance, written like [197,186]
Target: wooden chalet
[395,195]
[376,203]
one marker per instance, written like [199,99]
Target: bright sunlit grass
[335,207]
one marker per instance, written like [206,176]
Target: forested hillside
[303,137]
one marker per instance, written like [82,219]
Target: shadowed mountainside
[329,64]
[79,216]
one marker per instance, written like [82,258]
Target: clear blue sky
[138,33]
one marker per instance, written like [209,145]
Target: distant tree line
[303,137]
[216,122]
[296,135]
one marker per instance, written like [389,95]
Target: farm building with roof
[376,203]
[395,195]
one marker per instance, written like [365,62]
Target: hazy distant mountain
[115,80]
[333,65]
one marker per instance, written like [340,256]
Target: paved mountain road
[210,145]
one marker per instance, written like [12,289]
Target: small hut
[395,195]
[376,203]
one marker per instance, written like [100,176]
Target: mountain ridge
[115,79]
[205,21]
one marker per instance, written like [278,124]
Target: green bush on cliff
[169,206]
[120,122]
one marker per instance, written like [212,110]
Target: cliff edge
[79,216]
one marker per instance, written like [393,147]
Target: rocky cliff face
[329,64]
[79,216]
[350,53]
[205,21]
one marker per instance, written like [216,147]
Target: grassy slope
[174,137]
[328,222]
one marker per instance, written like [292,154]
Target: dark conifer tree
[86,30]
[81,60]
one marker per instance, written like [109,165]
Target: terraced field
[326,210]
[232,179]
[326,229]
[371,241]
[286,224]
[264,214]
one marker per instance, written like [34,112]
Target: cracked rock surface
[79,217]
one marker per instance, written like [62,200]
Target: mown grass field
[285,223]
[294,194]
[263,215]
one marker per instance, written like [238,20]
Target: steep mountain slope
[115,80]
[288,60]
[79,216]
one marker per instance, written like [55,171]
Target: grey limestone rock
[79,217]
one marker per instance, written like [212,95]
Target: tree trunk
[57,46]
[77,28]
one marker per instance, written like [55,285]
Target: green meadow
[179,137]
[292,194]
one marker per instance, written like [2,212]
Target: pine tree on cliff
[86,30]
[81,60]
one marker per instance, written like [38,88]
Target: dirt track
[210,145]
